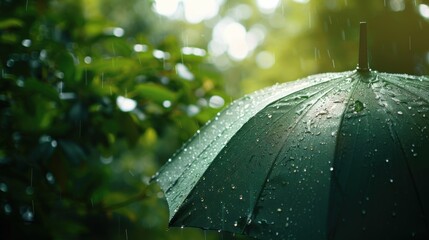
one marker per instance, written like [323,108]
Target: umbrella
[331,156]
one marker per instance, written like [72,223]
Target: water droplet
[331,169]
[50,178]
[387,160]
[87,60]
[26,42]
[235,224]
[29,190]
[126,104]
[279,209]
[3,187]
[400,113]
[391,180]
[7,209]
[166,103]
[232,186]
[216,101]
[193,110]
[27,215]
[20,83]
[359,106]
[106,160]
[140,48]
[10,63]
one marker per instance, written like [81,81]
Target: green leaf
[42,152]
[10,23]
[73,151]
[66,64]
[8,38]
[154,92]
[36,87]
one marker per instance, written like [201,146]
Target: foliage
[76,156]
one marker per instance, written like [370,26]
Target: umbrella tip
[363,49]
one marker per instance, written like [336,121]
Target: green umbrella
[331,156]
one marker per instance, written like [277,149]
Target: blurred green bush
[88,114]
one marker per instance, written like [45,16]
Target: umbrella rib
[278,154]
[334,178]
[413,180]
[395,137]
[411,93]
[406,90]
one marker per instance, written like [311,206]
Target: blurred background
[96,95]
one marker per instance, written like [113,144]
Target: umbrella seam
[333,176]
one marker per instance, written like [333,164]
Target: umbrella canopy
[331,156]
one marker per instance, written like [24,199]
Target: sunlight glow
[193,11]
[234,35]
[397,5]
[231,37]
[267,6]
[241,12]
[165,7]
[424,10]
[302,1]
[198,10]
[265,60]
